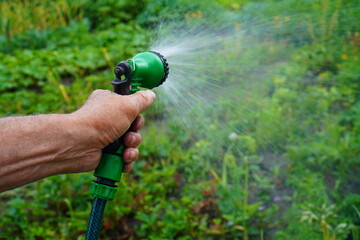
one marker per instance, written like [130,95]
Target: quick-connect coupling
[108,172]
[110,166]
[102,191]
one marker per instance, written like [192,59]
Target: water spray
[145,70]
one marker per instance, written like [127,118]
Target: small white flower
[233,136]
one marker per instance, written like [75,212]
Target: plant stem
[224,167]
[246,194]
[324,229]
[224,172]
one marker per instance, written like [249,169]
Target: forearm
[34,147]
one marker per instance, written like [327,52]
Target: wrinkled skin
[35,147]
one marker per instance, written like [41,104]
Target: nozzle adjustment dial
[166,67]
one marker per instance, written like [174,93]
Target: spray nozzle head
[165,65]
[146,70]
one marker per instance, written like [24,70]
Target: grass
[39,15]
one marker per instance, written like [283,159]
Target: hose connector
[102,191]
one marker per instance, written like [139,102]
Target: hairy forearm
[34,147]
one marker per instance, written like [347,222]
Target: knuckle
[100,92]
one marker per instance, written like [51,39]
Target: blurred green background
[294,180]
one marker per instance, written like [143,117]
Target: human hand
[105,117]
[35,147]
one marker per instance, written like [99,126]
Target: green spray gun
[146,70]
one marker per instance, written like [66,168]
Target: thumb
[143,99]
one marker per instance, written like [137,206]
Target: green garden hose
[144,70]
[95,219]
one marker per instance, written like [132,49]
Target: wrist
[82,151]
[81,129]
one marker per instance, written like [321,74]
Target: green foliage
[59,75]
[288,167]
[38,15]
[156,13]
[104,14]
[350,208]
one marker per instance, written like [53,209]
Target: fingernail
[132,139]
[132,154]
[150,94]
